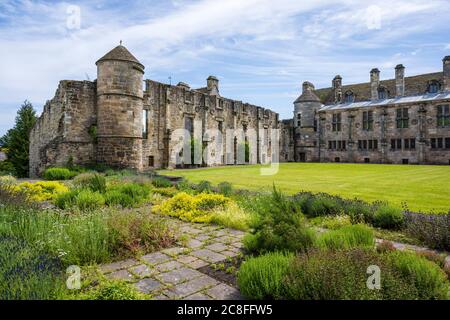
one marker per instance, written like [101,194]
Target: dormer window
[382,93]
[434,86]
[349,97]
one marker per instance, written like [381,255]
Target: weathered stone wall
[119,124]
[422,128]
[62,132]
[170,106]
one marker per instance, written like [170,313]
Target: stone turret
[119,108]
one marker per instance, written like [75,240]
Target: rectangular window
[344,146]
[447,143]
[144,124]
[443,116]
[406,144]
[412,144]
[440,143]
[337,125]
[393,144]
[329,145]
[368,120]
[151,161]
[370,144]
[433,143]
[399,144]
[402,118]
[360,144]
[375,144]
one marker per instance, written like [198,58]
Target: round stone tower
[119,109]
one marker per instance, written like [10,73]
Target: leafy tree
[17,139]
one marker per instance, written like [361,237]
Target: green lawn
[425,188]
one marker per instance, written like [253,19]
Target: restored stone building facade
[405,120]
[123,121]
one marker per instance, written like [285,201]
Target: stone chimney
[337,88]
[374,83]
[213,85]
[399,80]
[446,67]
[307,86]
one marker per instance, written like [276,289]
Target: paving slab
[156,258]
[148,285]
[143,271]
[191,287]
[179,275]
[123,275]
[186,258]
[174,251]
[217,247]
[224,292]
[110,267]
[208,255]
[168,266]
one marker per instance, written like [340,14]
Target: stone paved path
[173,273]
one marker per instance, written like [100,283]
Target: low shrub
[111,290]
[320,204]
[8,180]
[7,168]
[359,211]
[347,237]
[136,233]
[431,229]
[88,200]
[137,192]
[166,192]
[11,197]
[185,186]
[385,246]
[225,188]
[332,222]
[42,190]
[27,272]
[59,174]
[116,198]
[262,277]
[83,199]
[204,187]
[232,216]
[387,217]
[194,208]
[428,278]
[342,275]
[93,181]
[161,182]
[279,226]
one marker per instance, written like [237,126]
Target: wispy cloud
[261,49]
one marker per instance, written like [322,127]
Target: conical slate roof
[120,53]
[307,96]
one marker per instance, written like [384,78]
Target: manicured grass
[423,188]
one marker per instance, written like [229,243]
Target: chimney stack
[399,80]
[307,86]
[213,85]
[337,87]
[374,83]
[446,72]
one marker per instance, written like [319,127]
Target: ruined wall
[64,130]
[171,107]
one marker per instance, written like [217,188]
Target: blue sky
[261,50]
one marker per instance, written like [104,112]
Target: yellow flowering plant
[42,190]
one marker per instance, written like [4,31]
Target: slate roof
[308,96]
[120,53]
[390,101]
[414,86]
